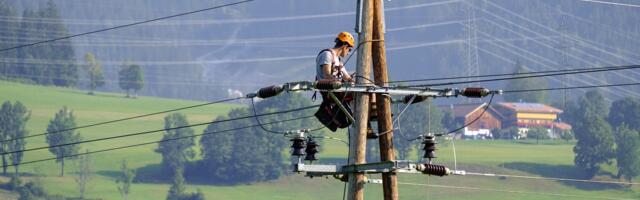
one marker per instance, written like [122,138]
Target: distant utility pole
[385,124]
[358,144]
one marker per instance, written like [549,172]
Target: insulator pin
[431,169]
[473,92]
[429,148]
[270,91]
[417,99]
[311,150]
[298,147]
[328,84]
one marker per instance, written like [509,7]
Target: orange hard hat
[346,37]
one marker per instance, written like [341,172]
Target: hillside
[244,47]
[550,159]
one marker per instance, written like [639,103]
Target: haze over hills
[240,48]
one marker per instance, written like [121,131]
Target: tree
[566,135]
[94,72]
[13,120]
[136,80]
[9,35]
[176,153]
[60,124]
[511,133]
[5,128]
[18,132]
[216,149]
[125,179]
[60,74]
[251,154]
[523,84]
[625,111]
[130,77]
[177,189]
[595,143]
[538,133]
[85,173]
[627,152]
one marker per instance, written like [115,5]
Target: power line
[569,88]
[215,21]
[255,114]
[123,119]
[549,178]
[160,130]
[532,76]
[553,30]
[612,3]
[510,191]
[552,48]
[509,74]
[126,25]
[154,142]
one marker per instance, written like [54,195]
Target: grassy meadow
[526,158]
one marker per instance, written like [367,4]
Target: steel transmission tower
[472,67]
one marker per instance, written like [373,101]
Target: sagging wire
[331,138]
[159,130]
[356,50]
[509,191]
[255,114]
[551,178]
[126,25]
[153,142]
[123,119]
[413,97]
[467,124]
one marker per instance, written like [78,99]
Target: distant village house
[506,115]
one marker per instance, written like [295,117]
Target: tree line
[26,63]
[52,63]
[13,121]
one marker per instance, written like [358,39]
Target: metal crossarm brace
[328,86]
[348,87]
[400,166]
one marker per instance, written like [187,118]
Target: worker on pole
[329,61]
[329,66]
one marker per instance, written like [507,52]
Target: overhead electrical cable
[127,25]
[216,21]
[531,76]
[159,130]
[553,30]
[124,119]
[544,73]
[511,191]
[154,142]
[570,88]
[612,3]
[513,74]
[550,178]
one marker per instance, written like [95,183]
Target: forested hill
[214,53]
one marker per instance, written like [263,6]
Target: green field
[550,159]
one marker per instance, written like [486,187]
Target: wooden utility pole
[358,139]
[385,124]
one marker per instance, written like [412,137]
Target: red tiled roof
[529,107]
[562,126]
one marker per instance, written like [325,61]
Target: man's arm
[345,75]
[326,71]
